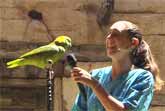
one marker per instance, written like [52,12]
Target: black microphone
[72,62]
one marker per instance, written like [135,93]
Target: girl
[126,85]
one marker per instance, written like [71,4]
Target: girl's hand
[82,76]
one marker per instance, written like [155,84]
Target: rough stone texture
[29,100]
[13,30]
[147,6]
[20,83]
[158,108]
[11,13]
[1,11]
[76,19]
[0,27]
[76,23]
[79,22]
[6,3]
[90,53]
[158,101]
[22,30]
[93,65]
[35,31]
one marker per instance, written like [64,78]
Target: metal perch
[50,85]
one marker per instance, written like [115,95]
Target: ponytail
[143,58]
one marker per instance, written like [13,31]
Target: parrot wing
[30,58]
[42,49]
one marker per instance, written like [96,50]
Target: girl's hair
[142,57]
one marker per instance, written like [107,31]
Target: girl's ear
[135,42]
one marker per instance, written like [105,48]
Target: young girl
[129,83]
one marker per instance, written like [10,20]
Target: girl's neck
[120,66]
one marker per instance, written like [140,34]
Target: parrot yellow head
[63,41]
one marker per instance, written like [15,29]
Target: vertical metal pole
[50,86]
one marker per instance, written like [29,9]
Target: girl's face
[117,43]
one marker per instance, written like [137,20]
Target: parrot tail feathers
[13,66]
[14,63]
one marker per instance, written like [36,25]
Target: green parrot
[39,57]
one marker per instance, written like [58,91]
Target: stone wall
[24,89]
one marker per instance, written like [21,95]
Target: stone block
[93,65]
[13,30]
[70,91]
[144,21]
[157,108]
[26,4]
[78,24]
[1,28]
[149,6]
[62,18]
[36,32]
[22,30]
[23,98]
[92,50]
[7,3]
[73,4]
[156,42]
[90,53]
[64,21]
[158,100]
[95,35]
[11,13]
[22,83]
[1,13]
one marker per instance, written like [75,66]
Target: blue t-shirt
[134,89]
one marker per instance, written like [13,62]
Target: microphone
[72,62]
